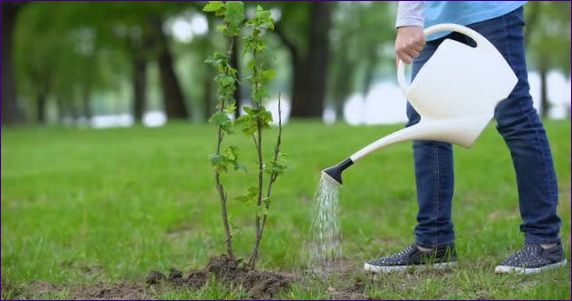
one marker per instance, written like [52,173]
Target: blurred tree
[139,63]
[63,56]
[11,113]
[304,30]
[357,48]
[37,50]
[203,46]
[141,27]
[72,50]
[173,99]
[547,36]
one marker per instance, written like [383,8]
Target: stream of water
[325,245]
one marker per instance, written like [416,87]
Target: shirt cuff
[410,13]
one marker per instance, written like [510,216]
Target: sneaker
[442,257]
[533,258]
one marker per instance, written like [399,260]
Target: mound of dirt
[110,291]
[258,284]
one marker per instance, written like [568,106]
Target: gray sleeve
[410,13]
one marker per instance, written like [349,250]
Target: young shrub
[225,156]
[255,120]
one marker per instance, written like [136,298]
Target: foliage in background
[547,38]
[357,52]
[135,64]
[253,122]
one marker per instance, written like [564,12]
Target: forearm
[410,13]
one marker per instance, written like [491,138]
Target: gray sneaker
[442,257]
[533,258]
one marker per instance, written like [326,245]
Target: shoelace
[528,250]
[405,251]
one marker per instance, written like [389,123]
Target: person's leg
[519,124]
[524,134]
[433,247]
[434,177]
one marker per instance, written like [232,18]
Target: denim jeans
[520,126]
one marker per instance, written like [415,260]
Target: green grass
[91,206]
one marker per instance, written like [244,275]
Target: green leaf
[250,195]
[230,108]
[218,162]
[268,75]
[220,118]
[221,28]
[263,18]
[248,109]
[251,64]
[253,190]
[247,123]
[278,167]
[227,80]
[242,119]
[213,6]
[234,15]
[265,116]
[230,153]
[241,198]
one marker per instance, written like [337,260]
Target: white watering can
[455,93]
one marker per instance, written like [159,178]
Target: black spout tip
[335,172]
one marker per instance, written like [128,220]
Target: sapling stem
[219,185]
[273,177]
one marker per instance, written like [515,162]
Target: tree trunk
[544,105]
[139,85]
[235,63]
[369,73]
[342,84]
[86,103]
[173,98]
[310,71]
[74,113]
[60,110]
[11,113]
[41,107]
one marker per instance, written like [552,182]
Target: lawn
[84,208]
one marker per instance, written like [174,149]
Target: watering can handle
[479,39]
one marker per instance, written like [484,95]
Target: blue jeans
[523,132]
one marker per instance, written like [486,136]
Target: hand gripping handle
[477,37]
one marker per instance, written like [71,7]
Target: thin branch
[273,177]
[258,145]
[219,185]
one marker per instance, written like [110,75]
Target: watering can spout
[334,173]
[461,131]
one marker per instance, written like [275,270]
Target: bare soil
[129,291]
[346,283]
[97,291]
[258,284]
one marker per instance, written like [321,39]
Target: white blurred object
[455,92]
[154,119]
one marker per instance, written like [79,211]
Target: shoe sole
[400,268]
[503,269]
